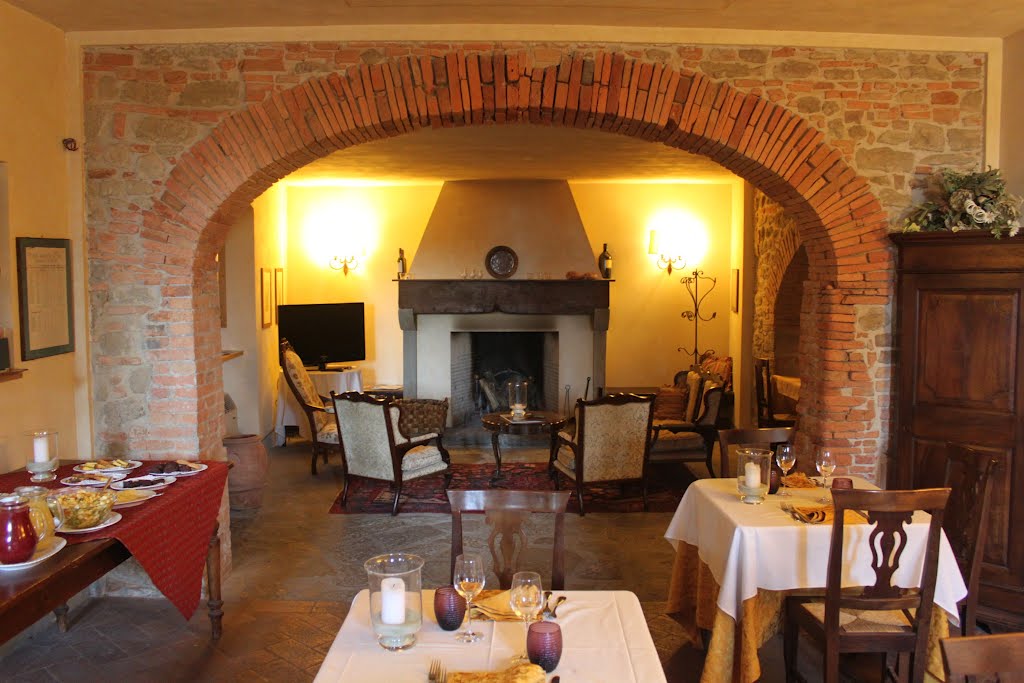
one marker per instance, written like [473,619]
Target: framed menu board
[44,297]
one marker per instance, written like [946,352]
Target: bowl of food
[84,508]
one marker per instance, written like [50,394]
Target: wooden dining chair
[881,617]
[612,442]
[506,513]
[969,476]
[766,415]
[985,656]
[768,437]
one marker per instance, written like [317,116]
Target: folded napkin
[494,605]
[824,515]
[520,673]
[798,480]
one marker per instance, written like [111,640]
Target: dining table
[736,562]
[604,633]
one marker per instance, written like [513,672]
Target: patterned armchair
[611,443]
[376,445]
[690,436]
[324,430]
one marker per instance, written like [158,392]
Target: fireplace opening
[483,363]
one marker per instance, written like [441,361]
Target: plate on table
[112,519]
[107,466]
[129,498]
[48,548]
[100,480]
[178,473]
[153,483]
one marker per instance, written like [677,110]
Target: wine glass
[469,581]
[826,464]
[526,599]
[786,457]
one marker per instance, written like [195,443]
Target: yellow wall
[646,326]
[372,222]
[1012,157]
[34,86]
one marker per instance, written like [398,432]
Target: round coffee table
[536,422]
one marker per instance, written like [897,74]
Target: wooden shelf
[228,355]
[13,373]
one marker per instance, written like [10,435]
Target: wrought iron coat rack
[692,283]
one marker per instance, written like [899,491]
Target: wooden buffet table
[155,529]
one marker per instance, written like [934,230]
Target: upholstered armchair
[611,443]
[374,443]
[689,433]
[323,429]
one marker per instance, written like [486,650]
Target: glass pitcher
[47,515]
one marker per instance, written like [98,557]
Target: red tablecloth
[169,535]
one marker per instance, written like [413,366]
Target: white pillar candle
[751,475]
[392,601]
[41,449]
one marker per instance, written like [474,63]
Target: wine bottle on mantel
[402,266]
[604,263]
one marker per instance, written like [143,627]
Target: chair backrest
[366,431]
[1001,655]
[613,433]
[768,437]
[969,475]
[888,512]
[302,385]
[418,416]
[506,513]
[763,388]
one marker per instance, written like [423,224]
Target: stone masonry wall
[776,240]
[160,196]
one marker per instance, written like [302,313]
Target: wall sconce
[665,261]
[344,263]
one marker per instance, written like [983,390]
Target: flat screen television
[324,333]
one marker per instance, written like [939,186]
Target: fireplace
[482,363]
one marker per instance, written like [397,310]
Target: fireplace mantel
[531,297]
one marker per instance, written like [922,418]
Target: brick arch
[841,223]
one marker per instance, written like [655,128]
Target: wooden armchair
[882,617]
[323,429]
[374,446]
[691,436]
[611,443]
[506,512]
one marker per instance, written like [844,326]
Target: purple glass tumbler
[544,644]
[449,608]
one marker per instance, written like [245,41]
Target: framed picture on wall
[267,296]
[278,290]
[44,297]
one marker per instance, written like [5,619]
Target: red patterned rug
[426,494]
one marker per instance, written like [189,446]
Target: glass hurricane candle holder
[517,398]
[43,455]
[753,473]
[396,603]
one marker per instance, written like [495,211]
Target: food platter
[48,548]
[133,497]
[160,482]
[112,519]
[188,473]
[185,469]
[75,480]
[132,464]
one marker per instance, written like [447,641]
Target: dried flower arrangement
[975,200]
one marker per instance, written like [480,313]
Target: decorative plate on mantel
[501,262]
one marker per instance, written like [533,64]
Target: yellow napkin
[520,673]
[825,515]
[494,605]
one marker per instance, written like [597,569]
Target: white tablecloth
[747,547]
[289,413]
[604,635]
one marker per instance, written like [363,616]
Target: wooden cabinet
[960,378]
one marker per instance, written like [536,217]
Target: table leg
[61,613]
[497,457]
[214,603]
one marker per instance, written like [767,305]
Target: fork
[437,673]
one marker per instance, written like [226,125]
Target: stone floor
[296,569]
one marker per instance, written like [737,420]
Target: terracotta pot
[248,477]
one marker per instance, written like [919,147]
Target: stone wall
[776,240]
[180,137]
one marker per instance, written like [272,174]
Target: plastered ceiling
[977,18]
[510,151]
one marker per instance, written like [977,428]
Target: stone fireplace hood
[535,218]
